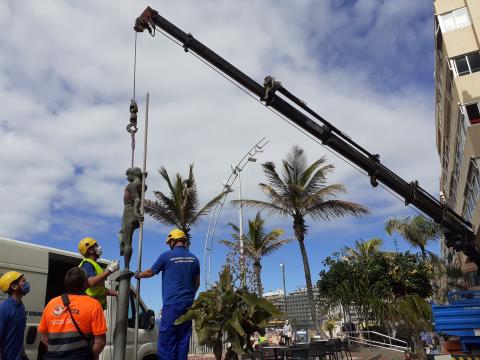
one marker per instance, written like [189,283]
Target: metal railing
[365,338]
[195,349]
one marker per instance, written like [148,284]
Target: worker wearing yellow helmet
[12,316]
[180,281]
[92,251]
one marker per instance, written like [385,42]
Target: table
[276,349]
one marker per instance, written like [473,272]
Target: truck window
[58,265]
[131,316]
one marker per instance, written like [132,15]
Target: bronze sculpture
[132,215]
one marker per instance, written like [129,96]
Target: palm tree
[417,231]
[365,249]
[301,191]
[411,311]
[180,207]
[257,244]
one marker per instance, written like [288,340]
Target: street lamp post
[237,170]
[282,266]
[248,157]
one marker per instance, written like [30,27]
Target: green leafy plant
[387,288]
[329,326]
[224,312]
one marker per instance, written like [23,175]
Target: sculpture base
[121,324]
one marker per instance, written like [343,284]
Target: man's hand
[113,266]
[137,275]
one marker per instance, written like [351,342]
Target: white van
[45,269]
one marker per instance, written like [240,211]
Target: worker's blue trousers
[173,340]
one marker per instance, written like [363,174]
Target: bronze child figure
[131,213]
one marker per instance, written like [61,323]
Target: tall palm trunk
[299,229]
[419,348]
[257,268]
[424,252]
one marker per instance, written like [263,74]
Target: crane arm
[459,233]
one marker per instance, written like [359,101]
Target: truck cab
[45,269]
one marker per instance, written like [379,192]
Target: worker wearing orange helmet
[13,319]
[180,281]
[92,251]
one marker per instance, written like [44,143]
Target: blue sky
[66,83]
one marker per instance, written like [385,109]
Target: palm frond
[164,173]
[319,177]
[160,213]
[208,206]
[323,194]
[274,246]
[335,209]
[296,162]
[273,178]
[273,195]
[262,205]
[234,245]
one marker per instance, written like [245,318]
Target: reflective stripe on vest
[66,341]
[97,292]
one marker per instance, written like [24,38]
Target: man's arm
[98,345]
[197,282]
[111,292]
[99,279]
[144,274]
[44,339]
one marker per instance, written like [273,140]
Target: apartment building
[277,298]
[298,310]
[457,114]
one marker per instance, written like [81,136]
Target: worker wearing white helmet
[91,250]
[12,316]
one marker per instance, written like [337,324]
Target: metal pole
[121,323]
[282,266]
[240,214]
[140,234]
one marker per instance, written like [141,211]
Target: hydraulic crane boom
[459,233]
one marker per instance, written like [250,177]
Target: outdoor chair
[266,354]
[337,344]
[297,353]
[345,348]
[330,349]
[317,350]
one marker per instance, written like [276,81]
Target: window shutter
[461,17]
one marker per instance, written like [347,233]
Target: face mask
[98,251]
[25,289]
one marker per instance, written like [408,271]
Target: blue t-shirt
[179,269]
[89,269]
[12,328]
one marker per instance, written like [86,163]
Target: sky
[66,80]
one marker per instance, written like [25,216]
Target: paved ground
[359,354]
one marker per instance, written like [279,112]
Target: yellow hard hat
[8,278]
[85,244]
[175,234]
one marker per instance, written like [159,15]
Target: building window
[459,145]
[473,278]
[454,19]
[472,188]
[472,111]
[449,85]
[466,64]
